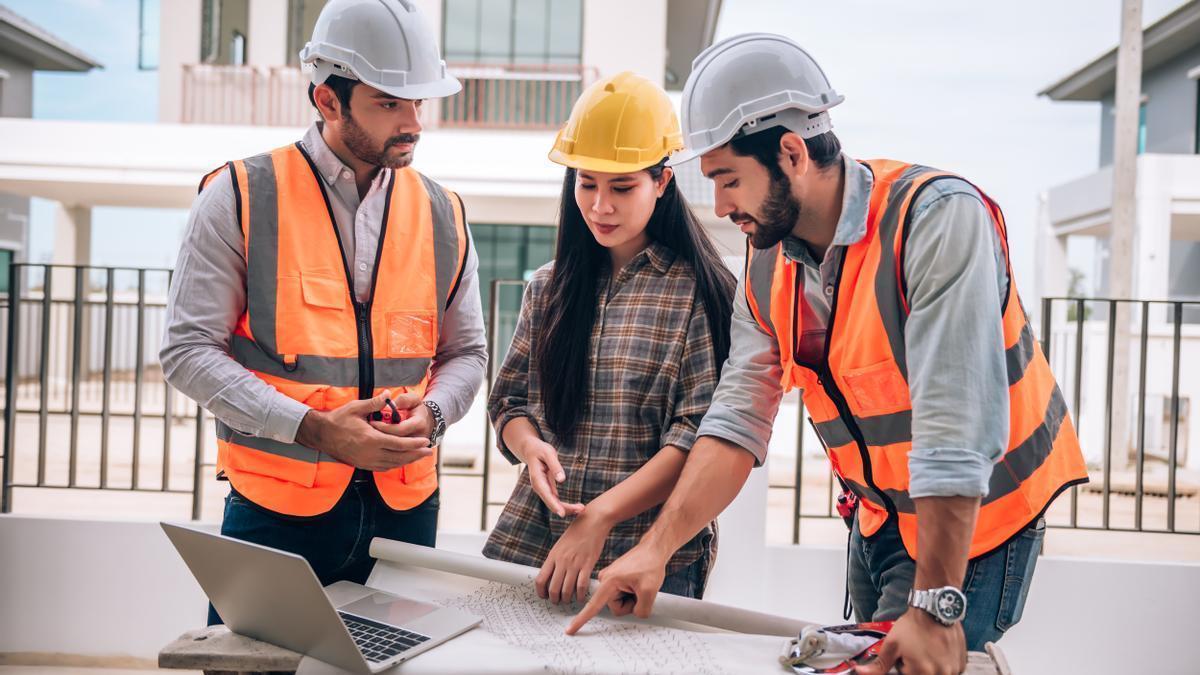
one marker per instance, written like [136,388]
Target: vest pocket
[877,389]
[322,291]
[412,333]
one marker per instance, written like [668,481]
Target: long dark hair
[562,343]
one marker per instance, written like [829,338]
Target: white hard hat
[748,83]
[386,44]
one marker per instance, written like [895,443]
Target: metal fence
[1163,339]
[86,405]
[81,356]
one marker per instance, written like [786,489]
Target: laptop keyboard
[377,641]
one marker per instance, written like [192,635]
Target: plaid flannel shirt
[652,373]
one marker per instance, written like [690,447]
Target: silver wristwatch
[947,604]
[439,423]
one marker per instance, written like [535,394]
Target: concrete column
[1124,209]
[267,34]
[1051,270]
[1152,238]
[179,44]
[72,245]
[626,35]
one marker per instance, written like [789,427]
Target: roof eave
[1098,78]
[26,42]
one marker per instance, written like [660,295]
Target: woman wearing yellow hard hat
[616,353]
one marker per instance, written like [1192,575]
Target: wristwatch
[439,424]
[947,604]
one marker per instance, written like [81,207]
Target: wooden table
[217,651]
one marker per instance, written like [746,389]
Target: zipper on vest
[829,384]
[366,356]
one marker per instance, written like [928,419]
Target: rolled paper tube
[669,606]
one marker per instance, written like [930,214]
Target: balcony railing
[493,96]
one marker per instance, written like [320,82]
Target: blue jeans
[880,574]
[689,581]
[334,543]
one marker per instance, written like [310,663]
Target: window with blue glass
[1141,128]
[6,259]
[508,252]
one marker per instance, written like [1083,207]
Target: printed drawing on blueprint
[517,615]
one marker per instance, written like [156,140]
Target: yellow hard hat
[620,124]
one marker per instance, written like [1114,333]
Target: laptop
[274,596]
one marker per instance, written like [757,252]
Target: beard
[360,144]
[779,213]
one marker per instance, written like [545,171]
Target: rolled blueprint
[666,605]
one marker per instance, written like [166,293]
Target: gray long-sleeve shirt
[957,376]
[208,296]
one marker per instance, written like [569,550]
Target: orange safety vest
[305,333]
[858,396]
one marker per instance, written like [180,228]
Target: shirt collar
[659,256]
[328,164]
[852,224]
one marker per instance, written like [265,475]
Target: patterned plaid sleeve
[510,392]
[694,388]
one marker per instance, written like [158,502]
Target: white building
[1074,230]
[230,87]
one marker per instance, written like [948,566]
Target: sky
[947,83]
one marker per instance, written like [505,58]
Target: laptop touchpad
[389,609]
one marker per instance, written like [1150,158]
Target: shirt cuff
[948,472]
[508,416]
[681,434]
[722,423]
[283,419]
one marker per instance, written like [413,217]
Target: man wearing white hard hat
[326,308]
[884,291]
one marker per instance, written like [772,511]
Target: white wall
[92,587]
[626,35]
[179,28]
[118,588]
[266,39]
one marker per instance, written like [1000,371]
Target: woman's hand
[545,473]
[568,568]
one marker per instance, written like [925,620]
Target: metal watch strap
[927,600]
[439,423]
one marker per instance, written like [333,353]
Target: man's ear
[327,102]
[793,155]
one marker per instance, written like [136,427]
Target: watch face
[951,605]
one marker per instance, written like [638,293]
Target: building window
[1141,128]
[237,49]
[1197,139]
[509,252]
[6,259]
[224,25]
[513,31]
[148,19]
